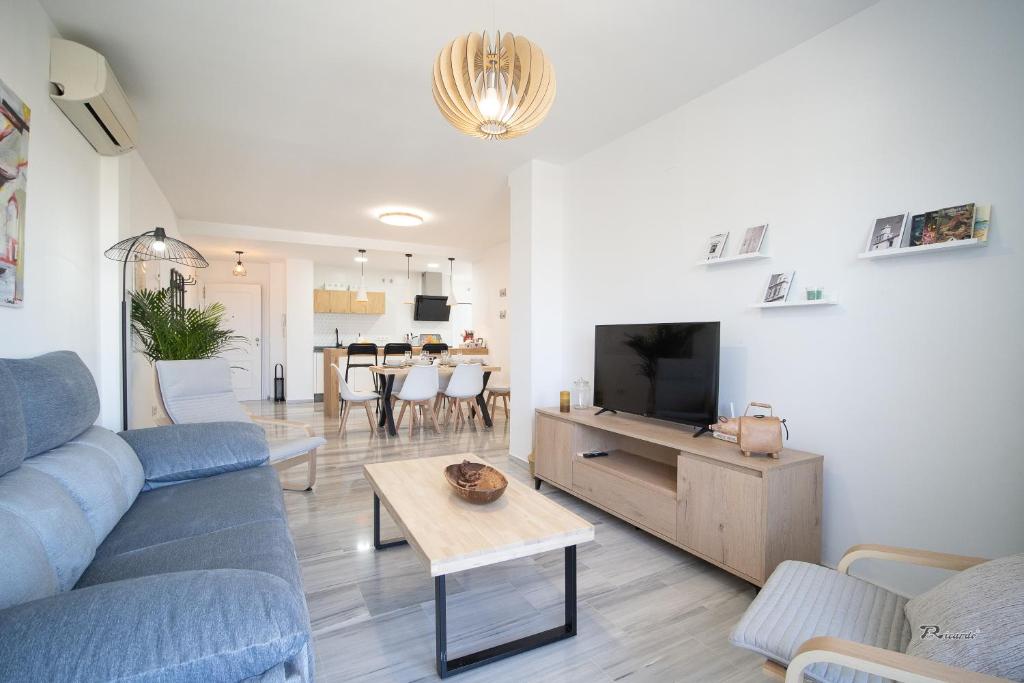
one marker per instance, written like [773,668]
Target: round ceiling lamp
[402,219]
[493,89]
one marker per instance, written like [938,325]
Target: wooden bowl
[476,482]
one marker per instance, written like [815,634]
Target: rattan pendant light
[494,89]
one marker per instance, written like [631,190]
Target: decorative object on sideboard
[152,245]
[563,401]
[239,269]
[715,246]
[493,87]
[756,433]
[476,482]
[581,393]
[752,239]
[467,336]
[15,117]
[778,287]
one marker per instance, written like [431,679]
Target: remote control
[595,454]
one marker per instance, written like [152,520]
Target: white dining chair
[419,391]
[350,398]
[466,383]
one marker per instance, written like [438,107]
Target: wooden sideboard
[743,514]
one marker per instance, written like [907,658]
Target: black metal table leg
[536,483]
[480,401]
[387,415]
[377,544]
[446,667]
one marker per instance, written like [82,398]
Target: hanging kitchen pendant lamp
[493,86]
[408,279]
[361,292]
[239,269]
[452,300]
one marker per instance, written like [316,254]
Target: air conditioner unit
[90,96]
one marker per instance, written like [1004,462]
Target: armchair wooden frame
[897,666]
[309,457]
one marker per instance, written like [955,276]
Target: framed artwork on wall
[15,119]
[778,287]
[716,246]
[887,233]
[752,239]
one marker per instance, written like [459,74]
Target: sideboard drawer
[639,504]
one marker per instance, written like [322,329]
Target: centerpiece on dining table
[476,482]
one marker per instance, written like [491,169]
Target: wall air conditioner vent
[87,92]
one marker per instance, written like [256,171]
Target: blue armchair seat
[154,555]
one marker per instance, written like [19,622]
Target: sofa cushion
[220,625]
[801,600]
[197,507]
[984,605]
[58,398]
[100,473]
[262,546]
[14,444]
[44,506]
[182,452]
[24,565]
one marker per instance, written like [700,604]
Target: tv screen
[431,308]
[667,371]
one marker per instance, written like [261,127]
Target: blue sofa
[155,555]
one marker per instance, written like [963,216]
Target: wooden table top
[404,370]
[452,535]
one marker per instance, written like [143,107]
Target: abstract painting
[14,129]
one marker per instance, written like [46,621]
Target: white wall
[298,304]
[490,275]
[909,387]
[62,247]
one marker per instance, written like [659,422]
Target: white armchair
[200,391]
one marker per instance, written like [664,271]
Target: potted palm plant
[167,331]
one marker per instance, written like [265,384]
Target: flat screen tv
[667,371]
[431,308]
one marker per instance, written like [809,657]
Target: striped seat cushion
[801,601]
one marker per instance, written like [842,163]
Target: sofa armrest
[177,453]
[222,624]
[927,558]
[877,661]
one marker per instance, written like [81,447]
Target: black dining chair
[396,349]
[435,348]
[362,350]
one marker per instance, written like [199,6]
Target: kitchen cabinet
[343,301]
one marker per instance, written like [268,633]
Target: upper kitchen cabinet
[341,301]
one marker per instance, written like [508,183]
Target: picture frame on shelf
[715,246]
[887,233]
[752,239]
[982,216]
[950,224]
[777,289]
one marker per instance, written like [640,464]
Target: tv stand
[702,430]
[606,410]
[743,514]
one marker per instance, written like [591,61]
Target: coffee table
[452,535]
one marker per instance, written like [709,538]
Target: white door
[244,315]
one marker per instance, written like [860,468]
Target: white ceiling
[310,115]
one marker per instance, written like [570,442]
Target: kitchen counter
[340,350]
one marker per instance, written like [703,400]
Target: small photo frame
[778,287]
[887,233]
[752,239]
[715,246]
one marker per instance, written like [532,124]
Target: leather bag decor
[756,433]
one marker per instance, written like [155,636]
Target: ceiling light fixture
[402,219]
[452,300]
[361,292]
[408,279]
[494,90]
[239,269]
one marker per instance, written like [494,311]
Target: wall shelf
[831,301]
[756,256]
[923,249]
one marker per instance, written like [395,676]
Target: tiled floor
[647,611]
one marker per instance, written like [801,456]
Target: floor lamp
[153,245]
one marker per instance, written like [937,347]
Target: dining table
[386,375]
